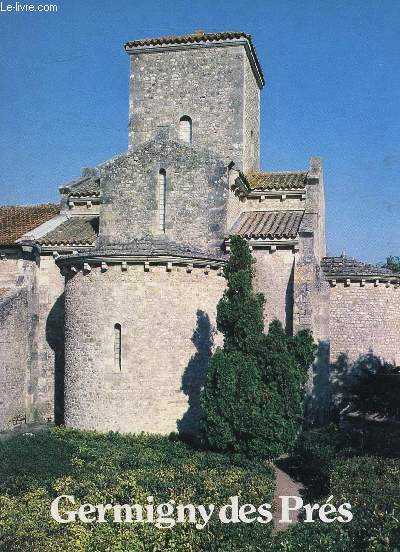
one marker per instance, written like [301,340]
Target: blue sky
[333,81]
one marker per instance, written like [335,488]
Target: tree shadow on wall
[318,402]
[55,337]
[368,385]
[289,296]
[194,376]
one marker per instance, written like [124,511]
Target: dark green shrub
[318,450]
[332,464]
[253,398]
[377,390]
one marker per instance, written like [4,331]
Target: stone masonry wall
[196,195]
[15,320]
[273,204]
[205,83]
[274,278]
[10,267]
[50,338]
[365,319]
[167,321]
[251,120]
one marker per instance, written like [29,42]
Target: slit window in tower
[162,188]
[117,346]
[185,129]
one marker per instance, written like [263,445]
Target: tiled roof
[20,219]
[347,266]
[196,37]
[88,186]
[268,224]
[3,291]
[277,180]
[79,230]
[151,246]
[199,36]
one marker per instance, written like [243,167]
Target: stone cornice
[271,245]
[74,264]
[361,280]
[255,65]
[99,259]
[282,194]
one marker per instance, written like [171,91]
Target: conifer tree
[253,396]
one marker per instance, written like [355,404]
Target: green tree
[253,398]
[393,263]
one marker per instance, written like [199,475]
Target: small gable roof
[276,180]
[268,224]
[17,220]
[87,186]
[79,230]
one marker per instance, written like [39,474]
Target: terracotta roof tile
[268,224]
[348,266]
[81,230]
[16,220]
[87,186]
[277,180]
[183,39]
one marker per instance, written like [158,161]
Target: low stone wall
[365,319]
[15,322]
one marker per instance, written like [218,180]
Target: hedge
[113,468]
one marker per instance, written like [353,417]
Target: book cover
[199,276]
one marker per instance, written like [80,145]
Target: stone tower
[211,80]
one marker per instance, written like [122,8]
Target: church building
[108,298]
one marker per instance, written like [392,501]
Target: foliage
[369,483]
[393,263]
[254,391]
[377,390]
[368,384]
[317,451]
[113,468]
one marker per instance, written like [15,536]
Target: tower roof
[199,38]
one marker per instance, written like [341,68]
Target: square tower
[205,87]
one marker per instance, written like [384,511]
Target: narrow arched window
[162,192]
[117,346]
[185,129]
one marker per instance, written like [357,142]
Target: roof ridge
[305,171]
[196,34]
[273,211]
